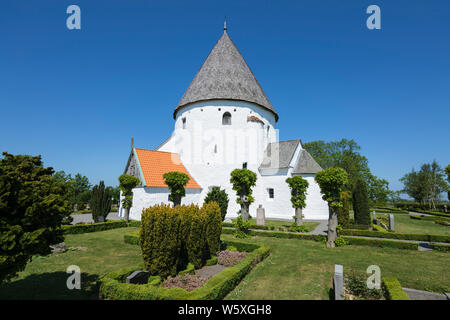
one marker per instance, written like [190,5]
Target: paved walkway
[321,229]
[425,295]
[87,217]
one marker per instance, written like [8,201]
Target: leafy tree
[332,182]
[61,176]
[425,185]
[80,184]
[33,205]
[243,180]
[344,211]
[126,184]
[298,187]
[100,201]
[115,193]
[219,196]
[176,181]
[361,203]
[345,154]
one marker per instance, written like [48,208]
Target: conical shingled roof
[225,75]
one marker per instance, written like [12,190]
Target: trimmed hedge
[399,236]
[379,209]
[93,227]
[170,238]
[351,241]
[252,226]
[393,289]
[440,247]
[217,287]
[414,206]
[381,243]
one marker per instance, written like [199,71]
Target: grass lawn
[296,269]
[98,253]
[404,224]
[286,224]
[302,269]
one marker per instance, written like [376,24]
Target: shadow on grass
[49,286]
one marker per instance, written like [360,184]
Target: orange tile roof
[155,163]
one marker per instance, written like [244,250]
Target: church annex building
[225,121]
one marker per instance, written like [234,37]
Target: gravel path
[87,217]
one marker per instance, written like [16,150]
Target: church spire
[225,25]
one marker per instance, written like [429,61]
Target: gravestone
[138,277]
[101,219]
[260,216]
[374,215]
[391,222]
[338,282]
[445,208]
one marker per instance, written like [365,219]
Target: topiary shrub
[243,180]
[344,211]
[221,197]
[160,240]
[361,207]
[171,238]
[126,184]
[213,226]
[298,187]
[176,181]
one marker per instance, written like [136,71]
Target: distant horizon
[76,97]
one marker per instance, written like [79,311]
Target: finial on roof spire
[132,142]
[225,24]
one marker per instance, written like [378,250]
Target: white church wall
[150,196]
[316,208]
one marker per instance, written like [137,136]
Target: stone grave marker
[138,277]
[338,282]
[260,216]
[391,222]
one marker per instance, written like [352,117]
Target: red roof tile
[156,163]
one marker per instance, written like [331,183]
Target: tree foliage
[344,211]
[243,180]
[100,201]
[176,181]
[345,154]
[221,197]
[33,205]
[331,182]
[361,208]
[425,185]
[80,187]
[126,184]
[298,187]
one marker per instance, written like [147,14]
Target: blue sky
[77,96]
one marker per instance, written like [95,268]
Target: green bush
[176,182]
[242,228]
[440,247]
[381,243]
[393,289]
[111,286]
[395,235]
[160,240]
[100,201]
[361,203]
[344,211]
[170,238]
[213,215]
[94,227]
[219,196]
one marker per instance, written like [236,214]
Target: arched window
[226,119]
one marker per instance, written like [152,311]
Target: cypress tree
[361,203]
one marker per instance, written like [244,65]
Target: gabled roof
[278,155]
[154,164]
[225,75]
[306,164]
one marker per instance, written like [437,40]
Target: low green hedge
[112,287]
[434,213]
[252,226]
[93,227]
[381,243]
[393,289]
[399,236]
[440,247]
[388,210]
[131,238]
